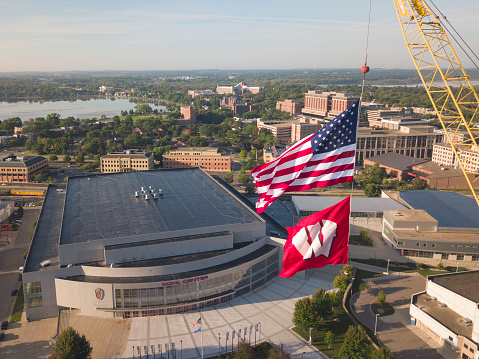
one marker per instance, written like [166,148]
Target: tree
[322,303]
[80,157]
[340,283]
[382,353]
[70,344]
[243,154]
[355,345]
[66,158]
[372,190]
[243,179]
[143,109]
[250,190]
[381,297]
[244,351]
[274,353]
[304,315]
[329,338]
[53,158]
[228,177]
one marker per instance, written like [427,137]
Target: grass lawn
[356,239]
[359,283]
[18,309]
[388,309]
[338,329]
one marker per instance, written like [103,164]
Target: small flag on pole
[197,322]
[197,330]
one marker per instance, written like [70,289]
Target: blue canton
[338,133]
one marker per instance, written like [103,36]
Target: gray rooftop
[396,160]
[449,209]
[105,206]
[462,283]
[358,204]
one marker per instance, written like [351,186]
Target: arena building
[436,225]
[144,243]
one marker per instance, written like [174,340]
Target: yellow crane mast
[454,99]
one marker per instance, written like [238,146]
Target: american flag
[197,322]
[322,159]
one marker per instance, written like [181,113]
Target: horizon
[169,36]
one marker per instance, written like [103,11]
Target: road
[11,258]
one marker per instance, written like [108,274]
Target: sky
[87,35]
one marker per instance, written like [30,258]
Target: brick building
[210,159]
[396,165]
[187,115]
[326,104]
[303,129]
[291,106]
[126,161]
[278,128]
[443,155]
[22,168]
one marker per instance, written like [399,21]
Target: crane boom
[453,97]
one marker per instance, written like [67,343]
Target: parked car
[14,292]
[2,335]
[4,325]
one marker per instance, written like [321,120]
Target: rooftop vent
[433,298]
[137,193]
[466,321]
[46,263]
[147,197]
[442,305]
[156,196]
[397,214]
[160,191]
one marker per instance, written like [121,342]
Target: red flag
[318,240]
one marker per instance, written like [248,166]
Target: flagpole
[201,336]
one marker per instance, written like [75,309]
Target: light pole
[227,336]
[376,325]
[302,355]
[387,270]
[181,349]
[219,344]
[259,331]
[133,352]
[250,330]
[310,335]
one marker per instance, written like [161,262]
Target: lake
[78,109]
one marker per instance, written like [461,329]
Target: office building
[126,161]
[278,128]
[443,155]
[22,168]
[326,104]
[208,158]
[290,106]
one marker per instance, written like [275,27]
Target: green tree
[243,154]
[250,190]
[382,353]
[66,158]
[244,351]
[143,109]
[381,298]
[80,157]
[53,158]
[322,303]
[274,353]
[88,166]
[228,177]
[355,345]
[70,344]
[372,190]
[329,338]
[304,315]
[243,179]
[341,283]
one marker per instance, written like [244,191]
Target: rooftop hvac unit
[433,298]
[156,196]
[442,305]
[137,193]
[466,321]
[147,197]
[149,187]
[142,189]
[46,263]
[112,265]
[160,191]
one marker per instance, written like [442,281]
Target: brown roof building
[126,161]
[291,106]
[326,104]
[396,165]
[22,168]
[210,159]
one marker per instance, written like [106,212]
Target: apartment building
[22,168]
[327,104]
[210,159]
[188,116]
[413,141]
[273,153]
[395,122]
[443,155]
[291,106]
[126,161]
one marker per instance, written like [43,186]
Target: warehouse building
[144,243]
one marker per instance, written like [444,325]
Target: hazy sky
[66,35]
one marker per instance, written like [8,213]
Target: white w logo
[316,239]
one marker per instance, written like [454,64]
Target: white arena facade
[104,247]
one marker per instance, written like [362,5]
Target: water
[78,109]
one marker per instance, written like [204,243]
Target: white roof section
[358,204]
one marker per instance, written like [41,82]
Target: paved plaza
[271,305]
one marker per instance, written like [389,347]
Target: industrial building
[208,158]
[142,244]
[22,168]
[448,311]
[126,161]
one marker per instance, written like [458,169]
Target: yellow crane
[453,97]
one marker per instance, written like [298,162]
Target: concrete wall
[168,249]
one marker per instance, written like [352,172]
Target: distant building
[273,153]
[413,141]
[201,93]
[239,89]
[327,104]
[448,312]
[237,105]
[300,130]
[440,225]
[188,116]
[278,128]
[210,159]
[396,165]
[443,155]
[442,177]
[22,168]
[290,106]
[126,161]
[395,122]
